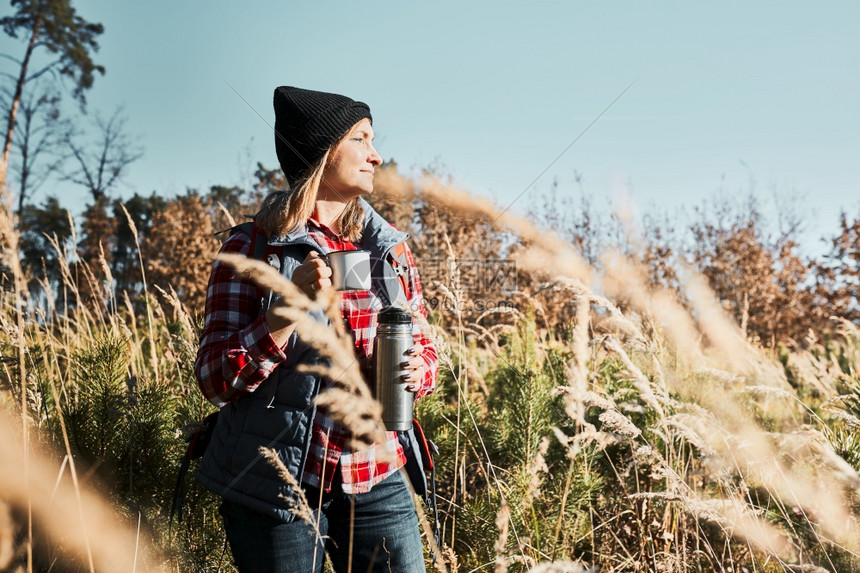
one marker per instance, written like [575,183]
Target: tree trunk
[25,173]
[13,111]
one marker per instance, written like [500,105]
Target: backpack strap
[400,263]
[261,250]
[260,247]
[391,275]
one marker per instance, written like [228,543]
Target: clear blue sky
[494,91]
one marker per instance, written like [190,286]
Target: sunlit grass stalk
[152,352]
[462,384]
[137,359]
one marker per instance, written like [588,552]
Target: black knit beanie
[307,123]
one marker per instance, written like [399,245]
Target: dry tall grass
[81,523]
[652,436]
[734,399]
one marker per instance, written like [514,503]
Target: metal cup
[350,270]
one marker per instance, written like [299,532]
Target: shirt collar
[316,225]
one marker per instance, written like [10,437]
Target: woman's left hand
[415,367]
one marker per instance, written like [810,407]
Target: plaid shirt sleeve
[237,352]
[415,302]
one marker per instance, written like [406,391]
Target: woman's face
[349,172]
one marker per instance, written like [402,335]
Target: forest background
[565,352]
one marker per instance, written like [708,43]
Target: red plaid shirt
[237,353]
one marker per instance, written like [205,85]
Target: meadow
[607,400]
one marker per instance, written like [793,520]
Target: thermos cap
[393,315]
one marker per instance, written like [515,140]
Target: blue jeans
[379,527]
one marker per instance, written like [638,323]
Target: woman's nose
[374,157]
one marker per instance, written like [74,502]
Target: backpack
[420,451]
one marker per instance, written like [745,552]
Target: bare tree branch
[12,58]
[43,71]
[38,141]
[104,161]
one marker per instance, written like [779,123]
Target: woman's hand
[313,275]
[415,366]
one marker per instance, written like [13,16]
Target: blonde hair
[285,211]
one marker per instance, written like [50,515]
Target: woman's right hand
[313,275]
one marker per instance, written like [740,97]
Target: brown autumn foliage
[760,277]
[98,229]
[761,280]
[838,274]
[762,286]
[180,247]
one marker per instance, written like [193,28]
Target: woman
[248,359]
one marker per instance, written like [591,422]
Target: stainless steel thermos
[393,339]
